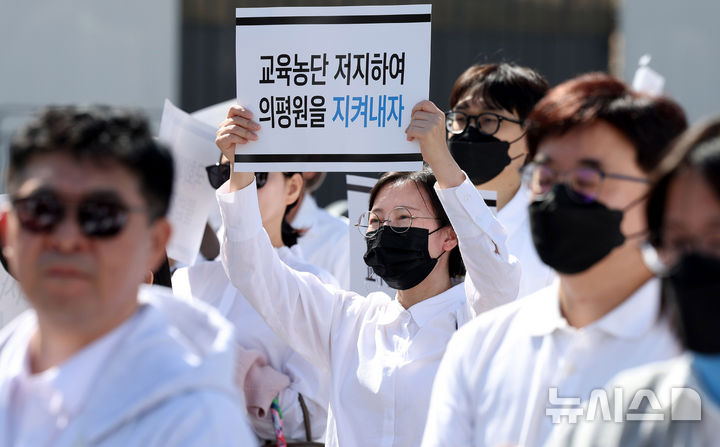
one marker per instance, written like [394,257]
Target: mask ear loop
[522,154]
[433,231]
[632,204]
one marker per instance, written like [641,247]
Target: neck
[588,296]
[53,342]
[290,216]
[274,231]
[433,285]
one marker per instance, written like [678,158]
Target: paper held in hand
[332,87]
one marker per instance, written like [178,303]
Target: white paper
[214,114]
[647,80]
[490,198]
[193,147]
[350,140]
[362,278]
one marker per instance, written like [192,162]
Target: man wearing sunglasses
[513,373]
[100,360]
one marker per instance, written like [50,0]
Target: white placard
[490,198]
[332,87]
[193,147]
[647,80]
[362,278]
[12,299]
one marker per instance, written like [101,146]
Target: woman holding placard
[382,353]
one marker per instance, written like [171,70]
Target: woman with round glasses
[684,220]
[489,105]
[301,389]
[382,353]
[506,374]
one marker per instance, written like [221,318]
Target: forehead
[407,194]
[598,142]
[73,178]
[692,202]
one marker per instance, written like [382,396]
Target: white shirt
[326,240]
[494,383]
[382,357]
[208,282]
[44,403]
[516,220]
[690,417]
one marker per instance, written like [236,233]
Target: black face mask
[693,288]
[569,236]
[481,156]
[400,259]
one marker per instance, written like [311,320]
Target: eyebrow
[409,207]
[587,162]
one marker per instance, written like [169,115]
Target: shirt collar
[631,319]
[514,213]
[430,308]
[305,216]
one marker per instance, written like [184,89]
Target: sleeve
[297,306]
[450,417]
[493,275]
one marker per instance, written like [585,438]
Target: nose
[67,235]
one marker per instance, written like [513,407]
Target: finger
[424,116]
[426,105]
[240,131]
[226,142]
[243,122]
[238,110]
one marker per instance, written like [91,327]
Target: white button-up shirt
[516,220]
[495,382]
[382,357]
[325,241]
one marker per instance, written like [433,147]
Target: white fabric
[679,392]
[516,220]
[208,282]
[162,378]
[326,241]
[493,385]
[382,357]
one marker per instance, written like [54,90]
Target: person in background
[301,388]
[100,360]
[382,353]
[683,215]
[486,125]
[324,240]
[594,143]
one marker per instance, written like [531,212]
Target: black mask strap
[642,233]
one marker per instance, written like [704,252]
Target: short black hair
[424,180]
[698,149]
[103,135]
[501,86]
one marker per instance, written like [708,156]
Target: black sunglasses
[99,215]
[219,173]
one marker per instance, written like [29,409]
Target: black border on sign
[326,158]
[333,20]
[359,188]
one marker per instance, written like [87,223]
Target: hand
[238,128]
[427,126]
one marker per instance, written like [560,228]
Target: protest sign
[193,146]
[332,87]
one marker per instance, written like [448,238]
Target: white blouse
[382,357]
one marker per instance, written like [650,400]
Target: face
[601,146]
[410,196]
[67,276]
[277,193]
[511,132]
[692,217]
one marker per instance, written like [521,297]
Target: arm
[493,276]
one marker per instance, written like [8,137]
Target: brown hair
[649,122]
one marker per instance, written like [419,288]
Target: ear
[450,239]
[160,232]
[293,188]
[6,249]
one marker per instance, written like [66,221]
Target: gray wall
[683,39]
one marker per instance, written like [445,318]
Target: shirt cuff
[466,209]
[240,212]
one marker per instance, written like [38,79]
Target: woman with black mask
[593,143]
[684,221]
[382,353]
[489,105]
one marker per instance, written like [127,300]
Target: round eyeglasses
[585,181]
[399,219]
[487,122]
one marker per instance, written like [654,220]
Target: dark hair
[103,135]
[697,149]
[424,180]
[288,233]
[649,122]
[501,86]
